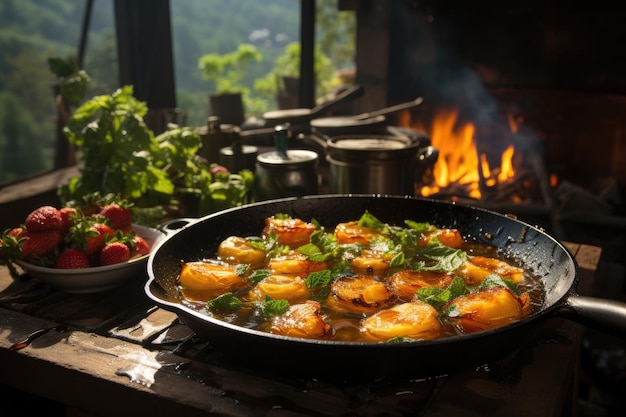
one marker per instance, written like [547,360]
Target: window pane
[31,32]
[219,27]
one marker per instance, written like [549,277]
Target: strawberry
[120,217]
[40,243]
[10,243]
[10,248]
[67,214]
[140,246]
[72,258]
[44,218]
[89,235]
[97,237]
[16,232]
[114,253]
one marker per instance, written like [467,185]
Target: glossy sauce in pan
[341,312]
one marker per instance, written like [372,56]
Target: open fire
[470,167]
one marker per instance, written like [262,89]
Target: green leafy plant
[117,150]
[73,81]
[288,65]
[122,156]
[228,70]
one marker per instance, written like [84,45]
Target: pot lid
[347,121]
[294,156]
[245,150]
[371,143]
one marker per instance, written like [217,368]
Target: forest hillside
[31,31]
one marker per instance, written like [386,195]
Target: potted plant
[227,71]
[282,83]
[122,156]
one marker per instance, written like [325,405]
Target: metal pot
[286,175]
[379,164]
[533,248]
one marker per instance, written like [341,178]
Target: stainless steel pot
[292,174]
[377,164]
[286,173]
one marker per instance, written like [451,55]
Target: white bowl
[97,278]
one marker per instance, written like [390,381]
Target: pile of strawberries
[72,238]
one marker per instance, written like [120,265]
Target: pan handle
[602,314]
[175,225]
[348,94]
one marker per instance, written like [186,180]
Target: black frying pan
[303,116]
[548,259]
[361,123]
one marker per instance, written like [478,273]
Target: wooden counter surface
[114,354]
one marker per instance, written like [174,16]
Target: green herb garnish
[437,297]
[259,275]
[440,258]
[271,307]
[319,279]
[226,301]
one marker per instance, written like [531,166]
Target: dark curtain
[144,43]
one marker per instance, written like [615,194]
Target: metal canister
[286,173]
[293,176]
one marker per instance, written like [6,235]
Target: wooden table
[115,354]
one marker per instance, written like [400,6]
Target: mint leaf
[241,269]
[369,220]
[259,275]
[420,227]
[437,297]
[441,257]
[309,249]
[319,279]
[324,241]
[401,339]
[495,280]
[397,261]
[271,307]
[224,302]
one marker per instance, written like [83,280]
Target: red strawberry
[120,217]
[72,258]
[16,232]
[44,218]
[140,246]
[40,243]
[66,215]
[97,237]
[90,210]
[114,253]
[10,244]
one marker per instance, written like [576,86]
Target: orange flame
[459,162]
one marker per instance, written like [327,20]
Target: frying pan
[361,123]
[302,116]
[193,239]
